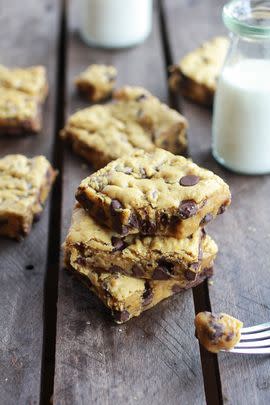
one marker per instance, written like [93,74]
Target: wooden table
[55,337]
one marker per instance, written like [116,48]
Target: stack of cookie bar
[137,233]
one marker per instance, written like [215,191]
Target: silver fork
[254,340]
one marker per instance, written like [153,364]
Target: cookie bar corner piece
[97,82]
[24,187]
[195,76]
[154,193]
[217,332]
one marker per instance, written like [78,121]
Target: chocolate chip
[148,227]
[189,180]
[133,221]
[147,295]
[137,271]
[176,288]
[118,244]
[141,97]
[218,331]
[207,218]
[160,273]
[187,209]
[81,261]
[116,269]
[229,336]
[124,230]
[121,316]
[190,275]
[115,206]
[222,208]
[164,219]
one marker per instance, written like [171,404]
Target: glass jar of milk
[241,121]
[115,23]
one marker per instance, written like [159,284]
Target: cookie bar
[136,120]
[155,193]
[195,77]
[32,80]
[19,113]
[127,297]
[24,187]
[97,82]
[157,258]
[217,332]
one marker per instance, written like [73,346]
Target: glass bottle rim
[248,18]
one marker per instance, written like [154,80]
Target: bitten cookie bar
[126,296]
[196,75]
[97,82]
[136,120]
[155,193]
[19,113]
[24,186]
[217,332]
[31,81]
[157,258]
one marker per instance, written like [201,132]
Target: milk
[115,23]
[241,122]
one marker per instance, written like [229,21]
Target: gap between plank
[53,254]
[201,298]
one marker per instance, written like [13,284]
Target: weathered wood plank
[28,37]
[241,285]
[149,359]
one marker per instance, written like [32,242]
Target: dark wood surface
[28,37]
[241,284]
[154,358]
[107,359]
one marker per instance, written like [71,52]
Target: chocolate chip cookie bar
[32,80]
[136,120]
[128,297]
[157,257]
[24,187]
[195,77]
[217,332]
[19,113]
[97,82]
[155,193]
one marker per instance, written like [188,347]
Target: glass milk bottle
[241,121]
[115,23]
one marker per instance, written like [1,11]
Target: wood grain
[28,37]
[241,285]
[151,358]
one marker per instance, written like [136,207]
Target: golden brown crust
[136,120]
[154,193]
[24,187]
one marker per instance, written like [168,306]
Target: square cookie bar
[24,187]
[136,120]
[127,297]
[155,193]
[97,82]
[195,77]
[31,81]
[19,113]
[149,257]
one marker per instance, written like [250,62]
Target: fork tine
[256,343]
[248,350]
[255,336]
[256,328]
